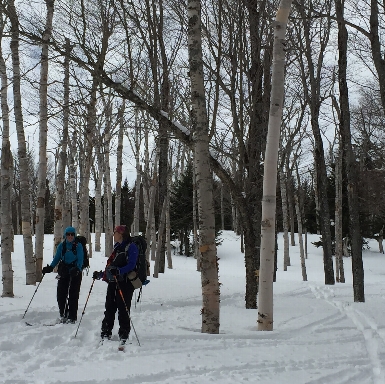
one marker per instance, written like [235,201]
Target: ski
[45,325]
[122,345]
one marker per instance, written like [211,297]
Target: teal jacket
[69,257]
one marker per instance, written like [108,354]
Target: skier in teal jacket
[69,258]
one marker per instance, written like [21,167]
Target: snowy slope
[320,335]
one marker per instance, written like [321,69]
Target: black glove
[74,271]
[114,271]
[47,269]
[97,275]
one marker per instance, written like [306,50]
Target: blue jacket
[124,260]
[132,256]
[69,257]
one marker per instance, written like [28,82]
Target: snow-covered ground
[320,335]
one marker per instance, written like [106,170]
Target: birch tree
[138,176]
[30,269]
[265,311]
[119,164]
[6,180]
[43,127]
[108,223]
[286,254]
[209,264]
[340,274]
[62,161]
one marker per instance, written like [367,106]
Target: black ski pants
[68,286]
[115,302]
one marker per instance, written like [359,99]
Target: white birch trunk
[119,166]
[6,185]
[150,227]
[62,161]
[168,233]
[84,193]
[98,210]
[222,210]
[197,254]
[160,240]
[168,222]
[43,128]
[300,239]
[152,221]
[107,174]
[317,203]
[208,249]
[286,252]
[138,180]
[146,183]
[73,186]
[153,238]
[30,270]
[265,307]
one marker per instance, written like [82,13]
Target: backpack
[83,241]
[142,265]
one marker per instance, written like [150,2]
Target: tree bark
[119,164]
[62,162]
[30,269]
[265,307]
[6,183]
[209,263]
[300,239]
[43,128]
[286,252]
[340,274]
[107,181]
[349,157]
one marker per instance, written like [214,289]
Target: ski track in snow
[374,338]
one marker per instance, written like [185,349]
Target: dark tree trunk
[350,163]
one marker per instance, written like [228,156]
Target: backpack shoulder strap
[74,246]
[63,250]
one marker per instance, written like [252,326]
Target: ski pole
[85,305]
[34,295]
[128,312]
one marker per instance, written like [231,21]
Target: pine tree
[181,212]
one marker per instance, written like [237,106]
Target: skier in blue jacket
[69,258]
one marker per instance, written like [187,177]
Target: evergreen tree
[127,205]
[181,210]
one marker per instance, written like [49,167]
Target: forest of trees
[183,93]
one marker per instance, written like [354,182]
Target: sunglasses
[70,234]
